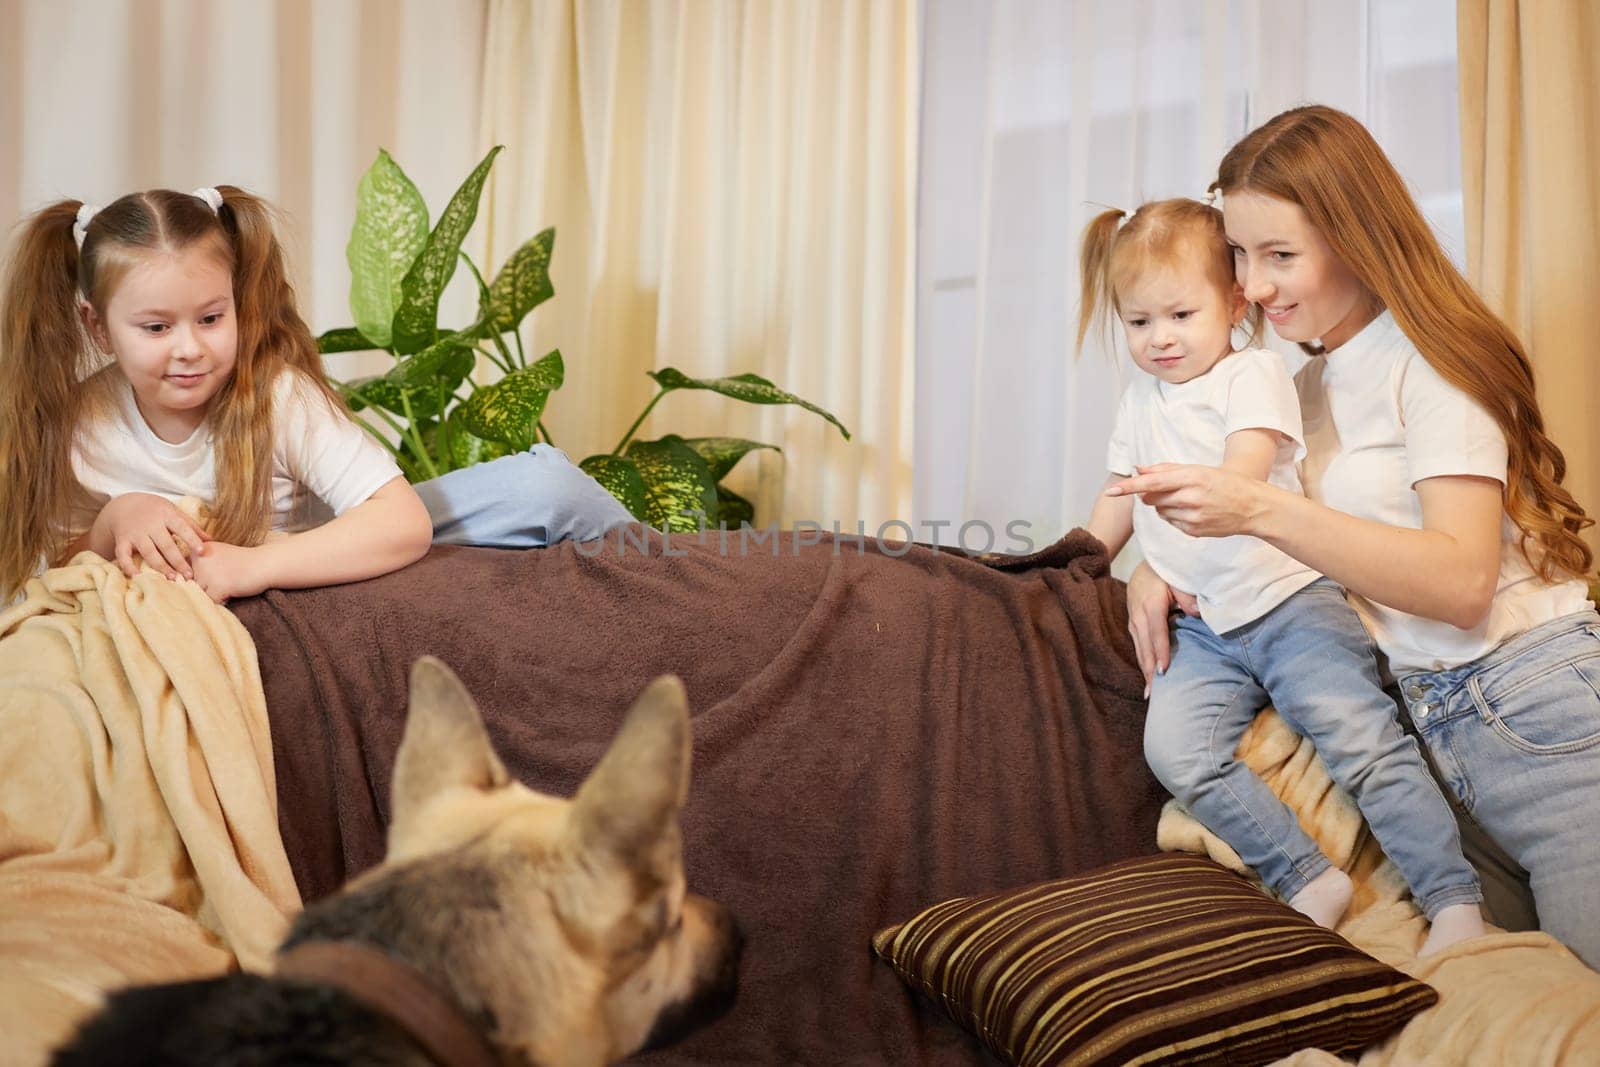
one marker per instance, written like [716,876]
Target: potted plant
[439,419]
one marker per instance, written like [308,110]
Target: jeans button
[1414,691]
[1421,710]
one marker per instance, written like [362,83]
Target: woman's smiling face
[1287,266]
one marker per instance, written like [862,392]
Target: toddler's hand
[226,571]
[150,528]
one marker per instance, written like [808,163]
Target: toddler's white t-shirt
[1236,579]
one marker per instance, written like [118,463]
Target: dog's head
[586,946]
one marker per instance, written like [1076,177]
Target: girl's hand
[1150,603]
[152,528]
[225,571]
[1200,501]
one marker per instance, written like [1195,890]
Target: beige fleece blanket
[138,810]
[1517,999]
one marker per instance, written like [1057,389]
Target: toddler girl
[1268,629]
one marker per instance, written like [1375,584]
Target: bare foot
[1326,897]
[1458,922]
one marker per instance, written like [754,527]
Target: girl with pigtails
[1432,494]
[1266,627]
[151,351]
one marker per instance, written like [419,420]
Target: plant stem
[505,368]
[637,422]
[545,434]
[505,350]
[522,353]
[416,438]
[348,394]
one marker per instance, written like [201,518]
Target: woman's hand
[225,571]
[150,527]
[1200,501]
[1150,604]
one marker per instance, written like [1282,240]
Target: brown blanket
[872,734]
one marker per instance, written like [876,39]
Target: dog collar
[396,991]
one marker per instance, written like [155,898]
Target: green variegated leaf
[391,228]
[379,391]
[509,410]
[751,388]
[677,484]
[460,447]
[416,317]
[733,509]
[722,453]
[548,370]
[621,479]
[344,339]
[522,284]
[445,364]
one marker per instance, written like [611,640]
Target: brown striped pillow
[1163,959]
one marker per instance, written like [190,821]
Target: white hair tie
[1213,197]
[212,198]
[80,228]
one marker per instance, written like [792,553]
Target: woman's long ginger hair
[51,373]
[1326,162]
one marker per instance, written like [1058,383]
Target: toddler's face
[1178,322]
[170,325]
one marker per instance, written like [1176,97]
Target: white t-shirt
[1236,579]
[1379,419]
[318,455]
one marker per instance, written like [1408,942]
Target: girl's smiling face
[1287,266]
[170,325]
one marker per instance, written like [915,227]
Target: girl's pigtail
[44,355]
[273,339]
[270,326]
[1095,269]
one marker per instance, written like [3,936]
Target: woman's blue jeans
[1515,738]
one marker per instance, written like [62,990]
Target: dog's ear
[445,743]
[632,798]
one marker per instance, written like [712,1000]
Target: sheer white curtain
[1036,115]
[290,99]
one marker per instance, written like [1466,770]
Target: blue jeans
[1515,736]
[527,500]
[1309,657]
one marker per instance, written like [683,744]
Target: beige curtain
[733,187]
[291,99]
[1530,145]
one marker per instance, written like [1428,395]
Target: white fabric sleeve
[324,450]
[1446,431]
[1120,458]
[1262,396]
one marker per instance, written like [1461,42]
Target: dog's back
[239,1020]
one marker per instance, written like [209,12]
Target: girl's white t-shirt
[1236,579]
[1378,419]
[319,457]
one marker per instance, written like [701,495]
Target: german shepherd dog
[502,927]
